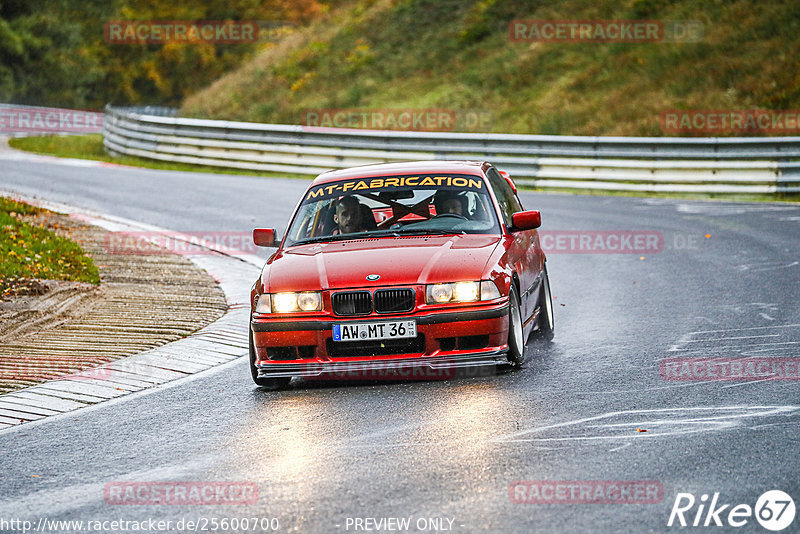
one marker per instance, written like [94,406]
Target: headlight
[309,301]
[294,302]
[439,293]
[466,291]
[461,292]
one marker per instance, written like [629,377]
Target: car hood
[398,261]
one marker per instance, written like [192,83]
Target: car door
[522,251]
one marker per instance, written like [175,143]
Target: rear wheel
[269,383]
[516,343]
[546,322]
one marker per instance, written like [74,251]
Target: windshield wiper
[431,231]
[320,239]
[345,237]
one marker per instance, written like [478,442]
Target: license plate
[370,331]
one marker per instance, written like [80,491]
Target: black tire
[269,383]
[516,341]
[546,321]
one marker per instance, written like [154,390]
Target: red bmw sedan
[425,265]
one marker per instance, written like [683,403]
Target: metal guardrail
[160,111]
[649,164]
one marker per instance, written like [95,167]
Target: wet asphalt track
[323,453]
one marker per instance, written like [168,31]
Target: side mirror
[264,237]
[526,220]
[507,176]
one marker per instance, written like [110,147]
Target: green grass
[30,251]
[91,147]
[64,146]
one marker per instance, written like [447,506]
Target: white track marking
[766,266]
[686,420]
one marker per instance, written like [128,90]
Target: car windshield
[394,205]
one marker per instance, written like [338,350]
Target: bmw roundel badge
[373,277]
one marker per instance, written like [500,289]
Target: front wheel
[516,344]
[269,383]
[546,322]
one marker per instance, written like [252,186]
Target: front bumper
[446,341]
[423,368]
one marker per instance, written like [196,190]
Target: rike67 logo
[774,510]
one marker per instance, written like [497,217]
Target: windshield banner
[395,183]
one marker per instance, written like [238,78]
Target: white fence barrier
[649,164]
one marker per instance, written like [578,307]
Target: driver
[348,216]
[450,202]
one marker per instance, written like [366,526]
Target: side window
[509,203]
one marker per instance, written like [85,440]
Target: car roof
[476,168]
